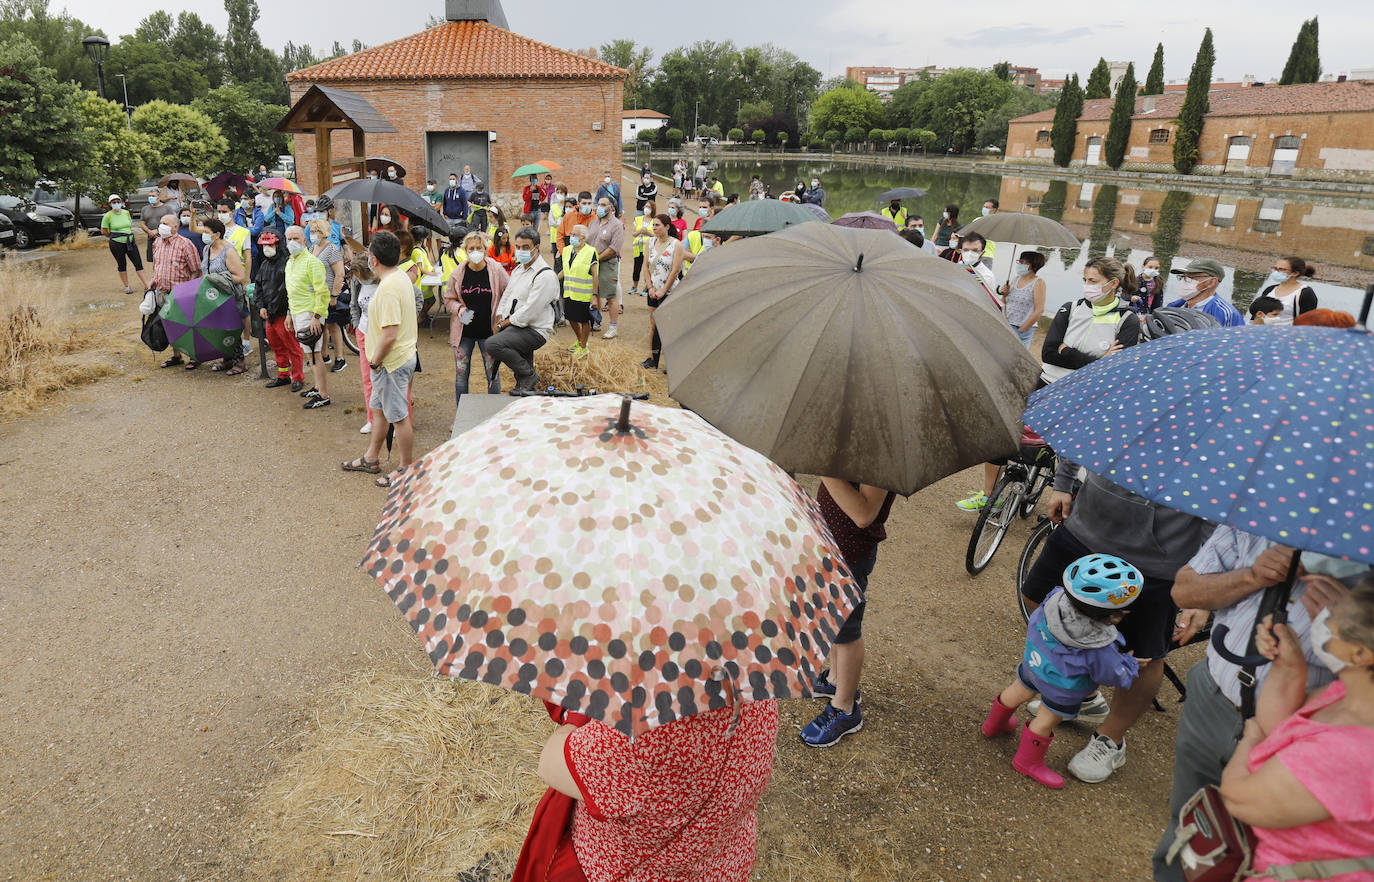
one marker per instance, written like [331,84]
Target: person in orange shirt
[501,251]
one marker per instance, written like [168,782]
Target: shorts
[853,627]
[391,391]
[656,302]
[608,278]
[579,311]
[340,317]
[302,320]
[1067,711]
[1149,627]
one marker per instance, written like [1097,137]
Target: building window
[1159,136]
[1042,136]
[1368,247]
[1145,217]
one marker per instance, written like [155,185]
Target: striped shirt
[1228,550]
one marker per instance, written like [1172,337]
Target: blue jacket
[455,203]
[611,191]
[277,219]
[1067,674]
[1219,309]
[251,221]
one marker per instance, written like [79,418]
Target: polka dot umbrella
[1267,429]
[632,568]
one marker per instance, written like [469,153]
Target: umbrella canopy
[756,217]
[217,185]
[1269,430]
[866,220]
[847,353]
[403,199]
[379,164]
[900,193]
[621,574]
[1023,229]
[821,214]
[201,320]
[534,168]
[280,184]
[549,164]
[180,178]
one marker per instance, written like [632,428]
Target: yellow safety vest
[420,260]
[446,266]
[555,212]
[693,246]
[577,275]
[643,230]
[990,250]
[238,237]
[898,217]
[718,187]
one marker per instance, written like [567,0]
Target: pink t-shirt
[1332,762]
[678,803]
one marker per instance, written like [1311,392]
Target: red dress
[678,803]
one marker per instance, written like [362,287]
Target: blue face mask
[1276,278]
[601,211]
[523,256]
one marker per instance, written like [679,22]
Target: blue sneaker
[822,686]
[832,725]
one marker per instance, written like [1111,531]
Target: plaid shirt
[174,261]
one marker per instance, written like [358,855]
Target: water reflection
[1245,232]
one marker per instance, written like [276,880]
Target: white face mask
[971,257]
[1092,292]
[1150,272]
[269,251]
[945,215]
[384,218]
[1320,635]
[429,187]
[1188,288]
[453,182]
[672,212]
[116,206]
[606,180]
[702,212]
[163,230]
[477,257]
[225,218]
[185,220]
[206,238]
[815,184]
[585,208]
[986,211]
[391,174]
[294,247]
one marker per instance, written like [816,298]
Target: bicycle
[1020,484]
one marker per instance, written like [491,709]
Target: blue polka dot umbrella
[1269,430]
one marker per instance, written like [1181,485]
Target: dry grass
[405,776]
[39,350]
[606,368]
[75,242]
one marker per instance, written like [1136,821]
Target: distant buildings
[632,122]
[885,80]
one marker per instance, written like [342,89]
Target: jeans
[1207,734]
[462,363]
[535,217]
[515,347]
[1024,335]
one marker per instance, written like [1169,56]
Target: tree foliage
[246,60]
[964,107]
[759,135]
[44,135]
[1154,80]
[1002,70]
[1195,107]
[992,132]
[674,137]
[1304,61]
[1119,128]
[846,108]
[638,61]
[180,139]
[1064,131]
[246,124]
[736,134]
[718,80]
[114,157]
[1099,81]
[56,37]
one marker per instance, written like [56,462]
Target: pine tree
[1154,80]
[1064,131]
[1119,129]
[1099,81]
[1195,106]
[1304,62]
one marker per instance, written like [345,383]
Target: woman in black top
[949,223]
[1285,285]
[473,291]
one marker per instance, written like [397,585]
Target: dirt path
[180,585]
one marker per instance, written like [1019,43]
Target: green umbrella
[757,217]
[534,168]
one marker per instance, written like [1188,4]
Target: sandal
[173,361]
[238,368]
[222,365]
[192,365]
[385,480]
[362,464]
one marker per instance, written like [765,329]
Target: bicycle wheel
[1041,476]
[1034,543]
[993,521]
[350,338]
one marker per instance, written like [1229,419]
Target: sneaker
[315,401]
[610,334]
[1093,712]
[822,686]
[310,393]
[1096,762]
[366,429]
[573,348]
[831,725]
[296,385]
[339,364]
[247,349]
[128,290]
[595,328]
[976,502]
[581,352]
[279,381]
[649,364]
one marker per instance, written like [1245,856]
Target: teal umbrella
[757,217]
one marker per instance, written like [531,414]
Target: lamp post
[128,113]
[696,119]
[97,48]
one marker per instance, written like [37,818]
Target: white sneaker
[247,349]
[366,429]
[1096,762]
[1092,712]
[611,334]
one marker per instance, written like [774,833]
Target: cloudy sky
[1066,35]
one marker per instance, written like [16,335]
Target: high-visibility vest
[693,246]
[990,249]
[447,265]
[898,217]
[555,212]
[238,237]
[418,256]
[577,275]
[643,230]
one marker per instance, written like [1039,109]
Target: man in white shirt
[524,315]
[971,257]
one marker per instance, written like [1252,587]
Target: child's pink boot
[1030,759]
[1001,719]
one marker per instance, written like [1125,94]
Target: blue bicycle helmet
[1103,580]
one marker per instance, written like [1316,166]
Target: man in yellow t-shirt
[391,338]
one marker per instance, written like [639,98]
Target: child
[1071,649]
[1149,293]
[1263,310]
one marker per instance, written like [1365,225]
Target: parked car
[90,211]
[31,226]
[6,233]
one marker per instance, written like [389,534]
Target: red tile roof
[460,50]
[1348,97]
[642,114]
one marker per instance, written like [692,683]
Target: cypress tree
[1304,61]
[1290,67]
[1154,80]
[1195,107]
[1119,129]
[1064,132]
[1099,81]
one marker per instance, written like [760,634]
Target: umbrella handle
[1364,310]
[1244,661]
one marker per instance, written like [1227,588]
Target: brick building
[470,91]
[1314,131]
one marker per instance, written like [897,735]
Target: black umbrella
[901,193]
[378,164]
[406,201]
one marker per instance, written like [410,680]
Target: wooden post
[360,151]
[324,165]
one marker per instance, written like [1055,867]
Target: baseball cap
[115,197]
[1206,265]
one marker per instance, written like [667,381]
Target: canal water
[1245,232]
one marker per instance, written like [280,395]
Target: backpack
[153,335]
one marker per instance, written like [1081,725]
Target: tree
[1119,128]
[246,60]
[674,137]
[846,108]
[180,139]
[114,158]
[925,137]
[1154,80]
[736,134]
[199,43]
[44,134]
[1002,70]
[751,113]
[709,131]
[855,135]
[992,132]
[758,135]
[1195,106]
[1304,62]
[833,136]
[647,135]
[246,124]
[637,60]
[1064,131]
[1099,81]
[955,105]
[782,140]
[56,37]
[153,71]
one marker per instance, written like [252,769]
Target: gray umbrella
[847,353]
[1023,229]
[405,200]
[756,217]
[821,214]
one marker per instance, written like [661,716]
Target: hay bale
[404,776]
[606,368]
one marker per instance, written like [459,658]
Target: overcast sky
[1064,35]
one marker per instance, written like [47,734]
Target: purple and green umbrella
[201,320]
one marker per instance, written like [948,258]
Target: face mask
[1334,567]
[1320,635]
[1023,267]
[152,200]
[391,174]
[646,211]
[1188,288]
[453,182]
[574,241]
[477,257]
[707,245]
[945,215]
[523,256]
[269,251]
[1092,292]
[606,180]
[601,211]
[225,218]
[384,218]
[1277,278]
[246,204]
[702,212]
[972,257]
[163,230]
[1150,272]
[185,220]
[815,183]
[920,228]
[672,212]
[986,211]
[294,247]
[206,238]
[647,181]
[584,208]
[429,187]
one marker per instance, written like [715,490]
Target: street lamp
[128,113]
[97,48]
[696,119]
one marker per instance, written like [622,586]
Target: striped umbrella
[201,320]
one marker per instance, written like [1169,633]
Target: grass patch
[76,242]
